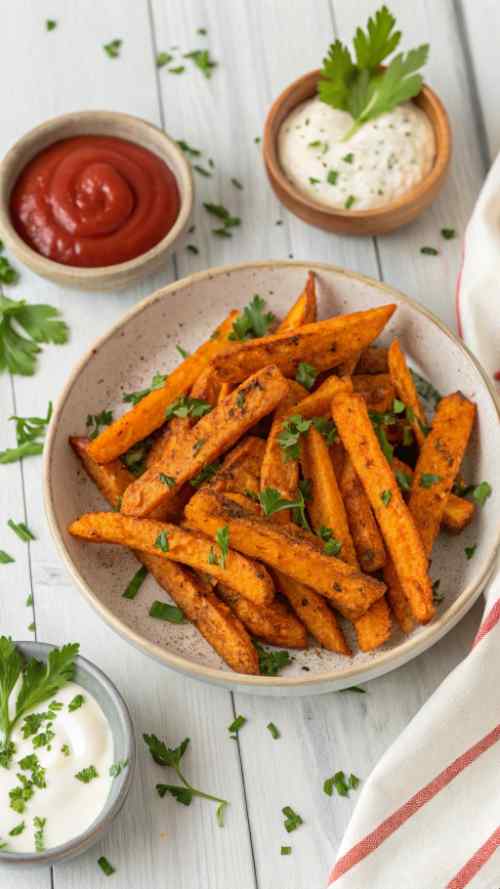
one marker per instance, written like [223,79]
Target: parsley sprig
[171,757]
[29,432]
[22,328]
[360,87]
[156,383]
[253,321]
[185,406]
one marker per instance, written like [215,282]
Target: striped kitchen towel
[429,814]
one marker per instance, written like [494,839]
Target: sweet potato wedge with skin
[149,414]
[273,623]
[222,630]
[373,361]
[325,507]
[393,516]
[275,471]
[406,391]
[458,512]
[351,592]
[214,434]
[377,390]
[188,547]
[324,344]
[438,464]
[304,310]
[313,611]
[366,536]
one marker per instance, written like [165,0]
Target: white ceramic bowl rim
[408,649]
[184,183]
[83,841]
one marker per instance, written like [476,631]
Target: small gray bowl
[115,709]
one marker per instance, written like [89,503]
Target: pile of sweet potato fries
[275,512]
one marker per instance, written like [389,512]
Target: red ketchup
[94,201]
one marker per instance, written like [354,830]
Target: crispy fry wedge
[324,344]
[366,536]
[406,391]
[377,390]
[171,436]
[188,547]
[313,611]
[249,452]
[149,414]
[222,630]
[318,403]
[303,311]
[392,514]
[224,391]
[374,627]
[294,554]
[438,464]
[212,436]
[373,361]
[326,507]
[273,623]
[397,599]
[275,471]
[458,512]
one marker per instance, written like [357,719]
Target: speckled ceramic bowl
[115,709]
[143,342]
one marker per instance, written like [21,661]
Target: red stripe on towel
[474,864]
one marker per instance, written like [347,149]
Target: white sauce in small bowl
[383,160]
[82,738]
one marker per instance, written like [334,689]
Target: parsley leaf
[156,383]
[112,49]
[289,437]
[29,431]
[470,550]
[170,757]
[361,88]
[164,611]
[202,60]
[482,492]
[161,542]
[33,324]
[96,422]
[306,375]
[117,768]
[332,546]
[205,474]
[162,59]
[327,428]
[253,321]
[403,480]
[87,775]
[76,703]
[50,24]
[386,497]
[185,406]
[428,479]
[292,819]
[222,538]
[272,501]
[271,662]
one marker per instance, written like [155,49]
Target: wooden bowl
[380,220]
[95,123]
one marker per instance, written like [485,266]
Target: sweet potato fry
[377,390]
[373,361]
[249,452]
[366,536]
[406,391]
[273,623]
[324,344]
[458,512]
[392,514]
[224,391]
[326,507]
[397,599]
[275,471]
[213,435]
[295,555]
[170,436]
[438,464]
[304,310]
[222,630]
[314,612]
[149,414]
[180,545]
[374,627]
[207,387]
[318,403]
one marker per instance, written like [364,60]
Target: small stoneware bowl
[380,220]
[94,123]
[115,709]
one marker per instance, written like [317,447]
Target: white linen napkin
[428,816]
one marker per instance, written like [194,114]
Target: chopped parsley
[87,775]
[341,784]
[235,726]
[349,202]
[253,321]
[179,69]
[271,662]
[222,539]
[403,480]
[332,177]
[428,479]
[65,750]
[76,703]
[348,158]
[470,550]
[105,866]
[161,542]
[273,730]
[118,767]
[185,406]
[437,595]
[5,558]
[188,149]
[306,375]
[332,546]
[50,24]
[198,445]
[448,233]
[386,497]
[206,474]
[313,180]
[96,422]
[156,383]
[202,60]
[429,251]
[134,459]
[162,59]
[22,531]
[292,819]
[39,823]
[425,389]
[184,793]
[482,492]
[237,184]
[272,501]
[289,437]
[167,480]
[169,613]
[202,170]
[192,248]
[112,49]
[17,829]
[286,850]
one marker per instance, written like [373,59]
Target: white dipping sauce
[68,804]
[384,159]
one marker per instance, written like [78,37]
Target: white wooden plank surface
[260,46]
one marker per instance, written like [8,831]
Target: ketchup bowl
[94,200]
